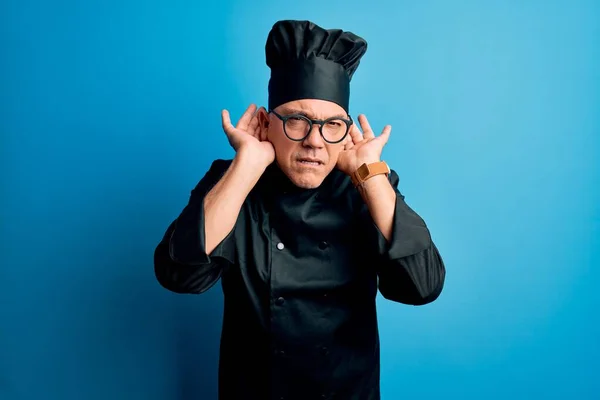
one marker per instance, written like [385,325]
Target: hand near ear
[362,148]
[245,137]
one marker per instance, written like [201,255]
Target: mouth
[314,162]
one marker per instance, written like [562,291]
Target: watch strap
[367,171]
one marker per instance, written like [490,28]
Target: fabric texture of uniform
[300,273]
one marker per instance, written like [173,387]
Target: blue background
[110,114]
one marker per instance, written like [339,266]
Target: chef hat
[310,62]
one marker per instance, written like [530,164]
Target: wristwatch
[367,171]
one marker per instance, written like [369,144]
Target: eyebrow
[304,113]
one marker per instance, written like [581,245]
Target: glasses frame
[311,123]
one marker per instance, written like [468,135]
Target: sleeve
[410,268]
[181,263]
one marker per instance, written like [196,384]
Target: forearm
[224,201]
[410,268]
[380,198]
[195,249]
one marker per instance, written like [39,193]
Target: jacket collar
[276,182]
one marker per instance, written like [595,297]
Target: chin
[307,179]
[307,182]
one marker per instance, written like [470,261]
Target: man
[302,227]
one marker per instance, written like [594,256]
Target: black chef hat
[309,62]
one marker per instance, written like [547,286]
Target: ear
[263,123]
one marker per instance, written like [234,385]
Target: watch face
[363,171]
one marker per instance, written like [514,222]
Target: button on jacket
[300,273]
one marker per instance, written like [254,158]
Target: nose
[314,138]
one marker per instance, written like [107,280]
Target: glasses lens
[334,130]
[297,127]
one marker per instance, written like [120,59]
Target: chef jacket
[300,272]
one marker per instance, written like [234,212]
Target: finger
[385,134]
[349,142]
[347,145]
[366,127]
[355,135]
[386,131]
[253,127]
[226,121]
[246,117]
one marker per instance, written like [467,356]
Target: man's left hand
[362,148]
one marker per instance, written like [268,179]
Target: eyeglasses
[297,127]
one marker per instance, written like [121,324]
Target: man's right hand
[247,139]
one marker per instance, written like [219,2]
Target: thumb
[226,122]
[385,134]
[230,130]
